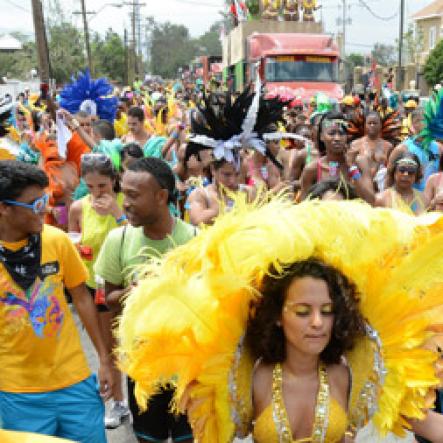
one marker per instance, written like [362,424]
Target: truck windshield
[301,68]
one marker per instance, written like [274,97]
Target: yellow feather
[186,318]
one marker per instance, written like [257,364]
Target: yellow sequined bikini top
[265,427]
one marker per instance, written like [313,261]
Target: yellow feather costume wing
[186,319]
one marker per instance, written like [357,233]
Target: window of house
[432,37]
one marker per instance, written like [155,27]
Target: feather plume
[244,122]
[212,280]
[433,129]
[84,88]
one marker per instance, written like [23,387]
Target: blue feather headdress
[89,95]
[433,119]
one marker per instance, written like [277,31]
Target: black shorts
[100,308]
[157,424]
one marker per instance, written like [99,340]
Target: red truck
[296,64]
[205,67]
[295,58]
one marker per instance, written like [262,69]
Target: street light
[95,13]
[114,5]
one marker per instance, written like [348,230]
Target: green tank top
[95,228]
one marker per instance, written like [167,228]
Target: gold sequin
[280,416]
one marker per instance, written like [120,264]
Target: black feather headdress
[227,126]
[5,115]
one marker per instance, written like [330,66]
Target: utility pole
[139,40]
[344,29]
[400,46]
[87,43]
[133,54]
[126,57]
[41,42]
[343,21]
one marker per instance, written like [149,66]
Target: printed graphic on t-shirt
[38,307]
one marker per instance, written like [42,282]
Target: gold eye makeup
[302,310]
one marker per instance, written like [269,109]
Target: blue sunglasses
[38,206]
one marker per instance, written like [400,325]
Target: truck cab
[295,64]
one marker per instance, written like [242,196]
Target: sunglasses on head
[410,170]
[95,159]
[38,206]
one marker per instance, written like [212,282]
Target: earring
[278,323]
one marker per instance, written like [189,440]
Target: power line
[18,6]
[360,45]
[379,17]
[199,3]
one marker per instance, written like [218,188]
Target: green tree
[18,64]
[254,7]
[171,48]
[355,60]
[109,56]
[434,65]
[384,55]
[66,51]
[209,42]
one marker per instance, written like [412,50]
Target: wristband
[354,173]
[121,219]
[175,135]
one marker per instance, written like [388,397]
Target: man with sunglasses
[46,385]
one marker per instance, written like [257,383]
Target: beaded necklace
[280,415]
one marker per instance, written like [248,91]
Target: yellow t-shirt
[40,347]
[27,437]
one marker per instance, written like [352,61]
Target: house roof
[9,43]
[434,9]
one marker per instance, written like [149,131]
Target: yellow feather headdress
[186,318]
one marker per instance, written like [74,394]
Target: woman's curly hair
[266,338]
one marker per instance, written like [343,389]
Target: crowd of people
[96,182]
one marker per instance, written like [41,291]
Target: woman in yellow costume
[271,9]
[298,323]
[309,6]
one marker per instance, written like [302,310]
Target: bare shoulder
[433,178]
[301,155]
[388,146]
[196,195]
[356,143]
[262,373]
[76,208]
[262,387]
[310,169]
[339,375]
